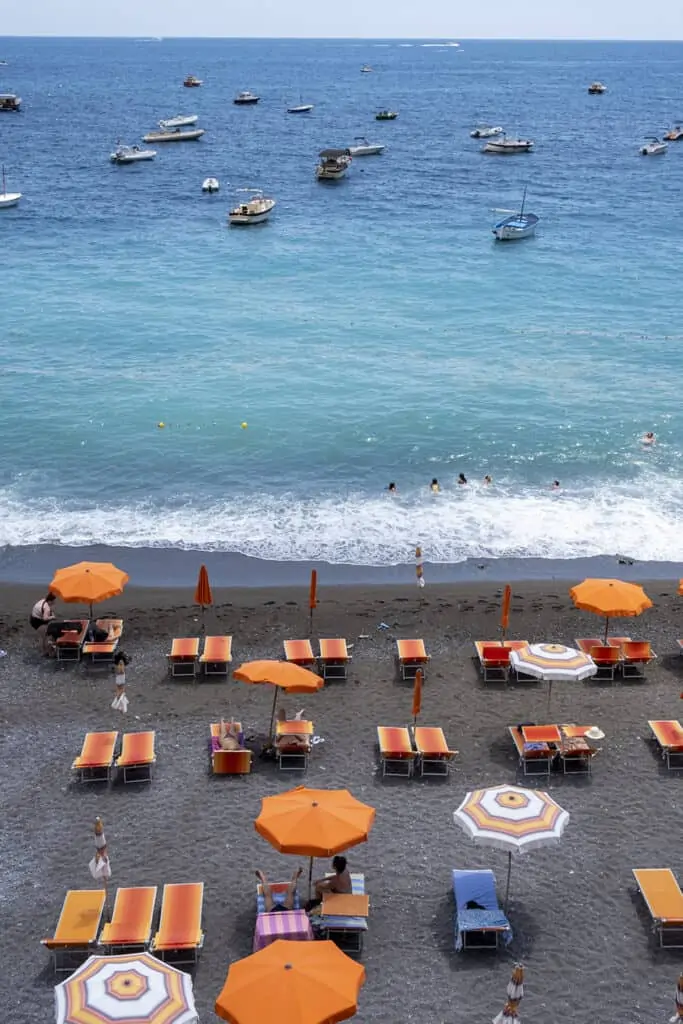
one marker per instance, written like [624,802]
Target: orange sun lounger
[137,755]
[535,757]
[395,750]
[293,756]
[494,658]
[433,753]
[217,655]
[130,928]
[664,900]
[608,659]
[636,655]
[182,661]
[69,646]
[96,759]
[300,652]
[103,653]
[228,762]
[77,928]
[411,656]
[668,735]
[334,659]
[180,934]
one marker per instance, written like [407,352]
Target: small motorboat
[131,154]
[210,185]
[674,134]
[334,163]
[191,82]
[386,115]
[506,145]
[655,147]
[366,70]
[302,108]
[246,99]
[516,225]
[254,210]
[179,121]
[174,135]
[8,101]
[7,199]
[485,131]
[362,147]
[597,88]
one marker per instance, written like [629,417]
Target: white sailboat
[7,199]
[516,225]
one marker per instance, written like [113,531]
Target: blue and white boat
[516,225]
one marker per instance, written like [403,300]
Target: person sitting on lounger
[339,882]
[229,737]
[287,903]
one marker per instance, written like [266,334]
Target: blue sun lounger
[347,932]
[477,928]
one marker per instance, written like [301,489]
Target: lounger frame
[65,957]
[183,953]
[433,763]
[669,931]
[334,668]
[96,772]
[409,665]
[395,762]
[673,755]
[71,651]
[347,933]
[183,665]
[532,762]
[142,769]
[137,945]
[219,666]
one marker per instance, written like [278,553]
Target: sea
[171,384]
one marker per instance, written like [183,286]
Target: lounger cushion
[478,887]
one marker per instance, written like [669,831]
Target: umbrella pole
[507,887]
[606,628]
[310,879]
[272,713]
[550,690]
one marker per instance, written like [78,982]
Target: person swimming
[648,438]
[488,480]
[392,488]
[434,486]
[555,486]
[462,479]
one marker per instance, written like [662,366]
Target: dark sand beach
[580,928]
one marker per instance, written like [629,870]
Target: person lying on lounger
[229,736]
[290,739]
[287,903]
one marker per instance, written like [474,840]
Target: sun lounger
[608,659]
[334,659]
[396,752]
[130,928]
[494,661]
[347,930]
[182,661]
[102,653]
[664,900]
[77,928]
[636,656]
[535,757]
[180,934]
[411,656]
[279,892]
[484,926]
[137,756]
[96,759]
[300,652]
[575,753]
[293,756]
[434,756]
[69,645]
[668,735]
[217,655]
[228,762]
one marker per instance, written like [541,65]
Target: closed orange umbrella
[313,595]
[314,822]
[282,675]
[202,594]
[611,598]
[292,982]
[88,582]
[680,587]
[417,695]
[505,610]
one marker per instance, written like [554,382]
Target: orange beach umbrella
[680,587]
[202,595]
[505,610]
[312,596]
[88,582]
[283,675]
[417,695]
[292,982]
[614,599]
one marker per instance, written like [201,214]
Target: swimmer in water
[434,486]
[555,486]
[392,488]
[648,438]
[488,480]
[462,479]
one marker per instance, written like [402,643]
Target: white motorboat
[8,101]
[192,83]
[516,225]
[245,99]
[301,108]
[655,147]
[506,145]
[674,134]
[485,131]
[179,121]
[131,154]
[175,135]
[8,199]
[252,211]
[366,69]
[597,88]
[210,185]
[334,163]
[362,147]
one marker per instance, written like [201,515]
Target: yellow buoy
[244,426]
[161,424]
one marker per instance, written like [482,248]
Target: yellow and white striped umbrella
[515,992]
[678,1016]
[553,662]
[116,989]
[512,819]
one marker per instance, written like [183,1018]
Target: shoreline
[177,568]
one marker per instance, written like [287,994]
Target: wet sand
[579,926]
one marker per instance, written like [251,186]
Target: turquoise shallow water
[371,331]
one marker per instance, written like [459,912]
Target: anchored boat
[334,163]
[174,135]
[179,121]
[131,154]
[7,199]
[362,147]
[252,211]
[516,225]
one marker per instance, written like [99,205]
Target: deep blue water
[371,331]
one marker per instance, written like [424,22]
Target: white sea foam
[644,523]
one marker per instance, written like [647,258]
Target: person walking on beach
[434,486]
[41,615]
[120,701]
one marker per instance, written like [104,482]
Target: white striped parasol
[515,992]
[419,566]
[554,663]
[678,1016]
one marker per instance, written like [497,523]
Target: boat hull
[132,158]
[174,136]
[8,199]
[654,150]
[502,150]
[330,173]
[178,122]
[305,108]
[366,150]
[515,227]
[251,101]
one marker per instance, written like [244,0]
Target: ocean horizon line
[583,40]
